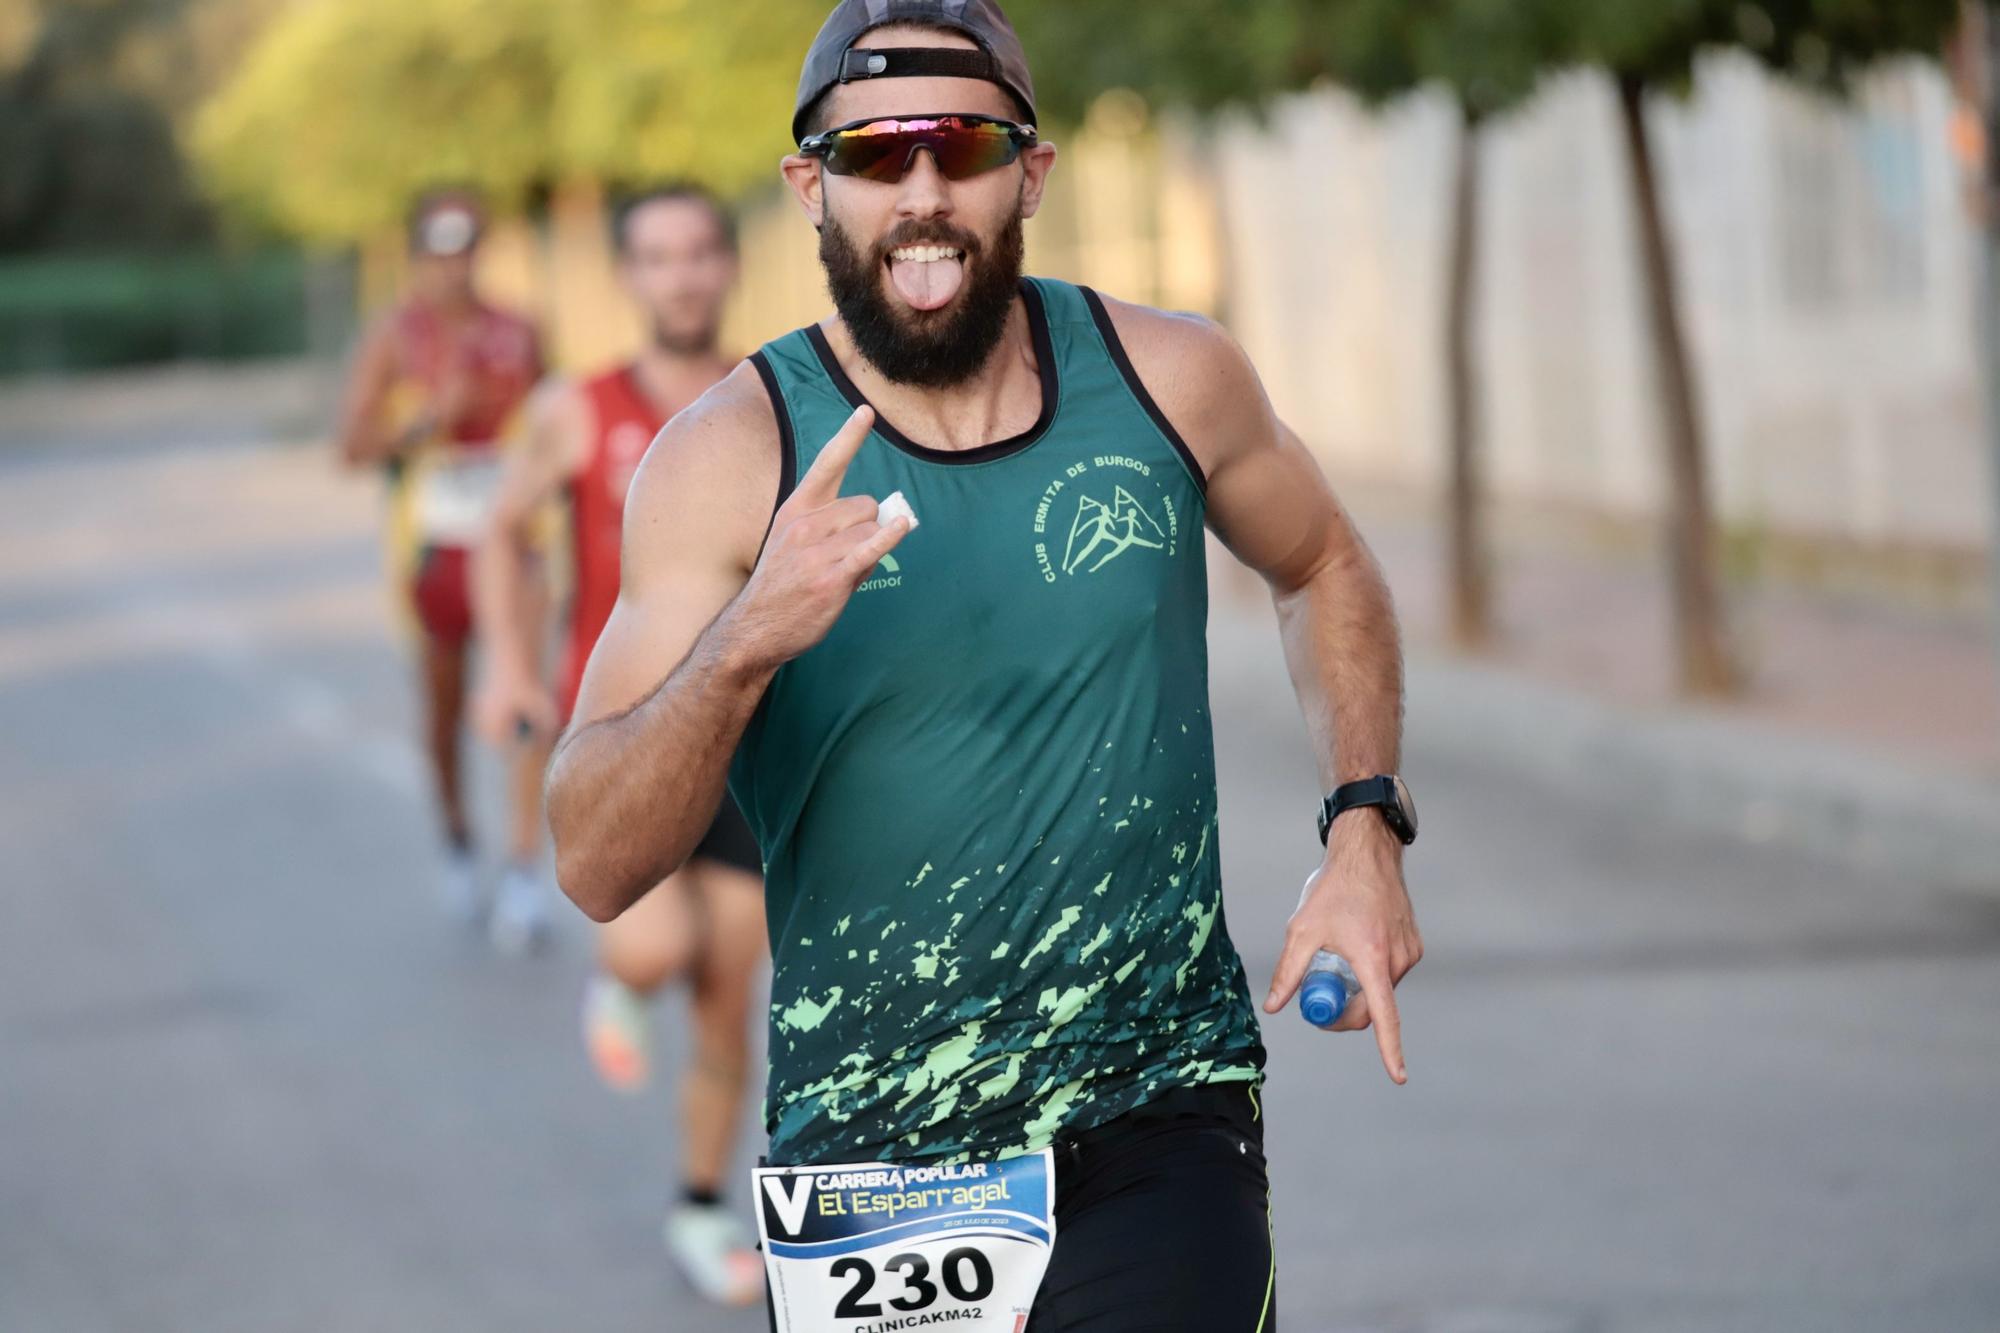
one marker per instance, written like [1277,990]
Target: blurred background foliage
[160,159]
[93,96]
[343,111]
[110,245]
[149,123]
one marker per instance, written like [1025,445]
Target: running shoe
[520,921]
[458,887]
[616,1033]
[712,1250]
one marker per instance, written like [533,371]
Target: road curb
[1701,767]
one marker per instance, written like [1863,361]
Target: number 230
[918,1290]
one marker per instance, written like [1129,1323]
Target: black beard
[935,349]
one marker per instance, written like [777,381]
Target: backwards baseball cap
[834,58]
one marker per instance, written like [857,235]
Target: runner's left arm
[1271,505]
[511,689]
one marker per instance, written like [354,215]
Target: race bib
[882,1248]
[454,495]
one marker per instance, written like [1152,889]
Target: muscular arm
[551,453]
[1271,505]
[703,622]
[668,690]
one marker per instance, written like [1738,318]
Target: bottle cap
[1322,999]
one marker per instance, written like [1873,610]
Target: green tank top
[986,801]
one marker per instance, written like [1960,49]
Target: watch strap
[1378,790]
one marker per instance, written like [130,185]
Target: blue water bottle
[1330,983]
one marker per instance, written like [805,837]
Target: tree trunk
[1983,45]
[1705,666]
[1471,597]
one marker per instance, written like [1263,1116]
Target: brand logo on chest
[888,574]
[1107,508]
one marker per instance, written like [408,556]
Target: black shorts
[1163,1222]
[729,840]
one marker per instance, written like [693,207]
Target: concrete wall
[1826,276]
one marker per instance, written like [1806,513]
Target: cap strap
[916,62]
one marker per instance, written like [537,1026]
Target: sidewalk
[246,402]
[1870,731]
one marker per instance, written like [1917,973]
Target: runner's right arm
[364,436]
[703,621]
[512,690]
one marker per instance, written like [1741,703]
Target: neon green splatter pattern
[996,777]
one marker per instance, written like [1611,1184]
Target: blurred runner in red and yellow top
[435,393]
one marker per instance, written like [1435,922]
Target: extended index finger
[821,482]
[1381,993]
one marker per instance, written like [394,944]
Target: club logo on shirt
[1102,532]
[1102,509]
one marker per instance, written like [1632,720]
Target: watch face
[1408,802]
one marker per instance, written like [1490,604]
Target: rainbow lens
[882,150]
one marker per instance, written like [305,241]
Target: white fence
[1827,280]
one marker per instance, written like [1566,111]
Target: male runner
[677,259]
[978,753]
[436,387]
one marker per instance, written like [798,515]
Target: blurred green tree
[1488,55]
[343,112]
[1651,46]
[88,94]
[669,88]
[1188,55]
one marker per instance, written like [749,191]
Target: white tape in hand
[893,508]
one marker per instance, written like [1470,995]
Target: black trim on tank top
[1102,318]
[788,454]
[1045,358]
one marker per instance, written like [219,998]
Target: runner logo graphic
[1101,533]
[1102,526]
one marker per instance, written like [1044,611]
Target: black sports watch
[1386,791]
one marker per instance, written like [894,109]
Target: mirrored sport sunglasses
[882,150]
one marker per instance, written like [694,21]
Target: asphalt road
[250,1081]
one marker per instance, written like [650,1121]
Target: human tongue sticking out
[927,276]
